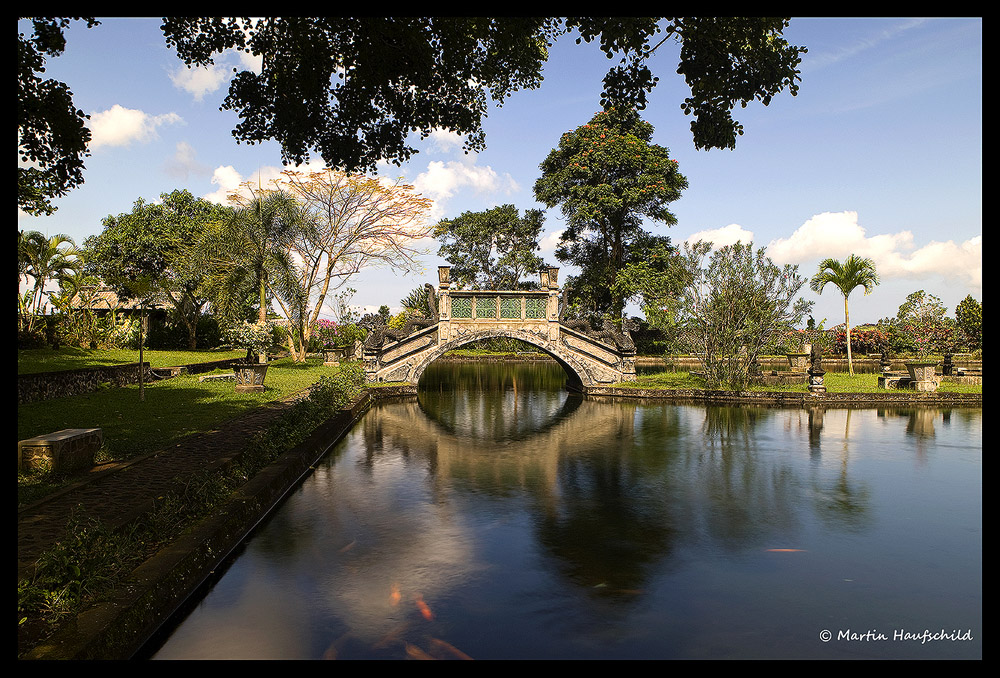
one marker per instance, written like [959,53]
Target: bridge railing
[511,306]
[497,305]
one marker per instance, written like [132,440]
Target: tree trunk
[847,323]
[262,316]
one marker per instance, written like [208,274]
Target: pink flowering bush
[331,334]
[864,339]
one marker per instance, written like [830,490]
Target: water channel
[498,516]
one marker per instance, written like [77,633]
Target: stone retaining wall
[199,368]
[45,385]
[795,398]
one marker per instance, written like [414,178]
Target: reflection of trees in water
[843,504]
[611,520]
[742,492]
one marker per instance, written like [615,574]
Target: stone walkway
[116,493]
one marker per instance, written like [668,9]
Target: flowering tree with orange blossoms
[357,222]
[607,177]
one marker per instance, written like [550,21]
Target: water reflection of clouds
[579,523]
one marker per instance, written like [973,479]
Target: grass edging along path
[170,551]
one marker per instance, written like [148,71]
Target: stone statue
[815,358]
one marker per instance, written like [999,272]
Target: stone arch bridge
[590,358]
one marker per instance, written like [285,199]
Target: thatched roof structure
[105,299]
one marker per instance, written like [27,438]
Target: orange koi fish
[394,595]
[449,648]
[416,653]
[786,550]
[424,609]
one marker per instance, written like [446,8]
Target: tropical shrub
[255,337]
[969,317]
[864,339]
[737,306]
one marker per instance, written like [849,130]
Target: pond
[498,516]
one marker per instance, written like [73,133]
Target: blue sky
[880,154]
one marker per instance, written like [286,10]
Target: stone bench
[230,376]
[68,450]
[895,380]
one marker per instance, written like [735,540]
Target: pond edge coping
[790,398]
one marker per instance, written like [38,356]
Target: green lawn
[70,357]
[835,382]
[172,409]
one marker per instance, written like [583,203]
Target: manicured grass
[666,381]
[71,358]
[835,382]
[91,561]
[172,409]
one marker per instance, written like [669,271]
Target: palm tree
[854,272]
[44,258]
[251,252]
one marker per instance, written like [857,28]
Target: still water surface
[499,516]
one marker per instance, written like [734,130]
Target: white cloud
[183,162]
[200,80]
[838,235]
[550,241]
[442,180]
[957,261]
[252,62]
[860,45]
[445,141]
[720,237]
[120,126]
[228,180]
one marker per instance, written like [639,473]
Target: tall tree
[250,252]
[607,176]
[157,244]
[353,88]
[656,281]
[52,134]
[969,317]
[854,272]
[357,222]
[491,250]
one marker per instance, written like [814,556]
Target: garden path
[119,492]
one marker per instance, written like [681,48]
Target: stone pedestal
[922,377]
[798,361]
[249,377]
[68,450]
[816,380]
[334,356]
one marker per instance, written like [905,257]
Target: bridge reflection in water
[499,514]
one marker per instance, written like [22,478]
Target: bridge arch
[576,375]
